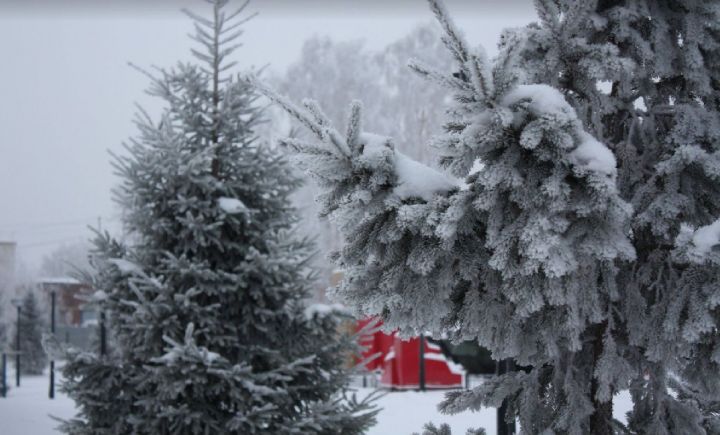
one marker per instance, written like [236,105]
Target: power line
[51,242]
[40,225]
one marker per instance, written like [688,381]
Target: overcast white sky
[67,95]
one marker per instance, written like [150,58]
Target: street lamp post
[18,305]
[103,334]
[51,393]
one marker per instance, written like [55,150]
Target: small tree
[33,359]
[207,305]
[3,323]
[574,229]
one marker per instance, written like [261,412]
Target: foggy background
[68,95]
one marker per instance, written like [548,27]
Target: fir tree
[207,304]
[33,359]
[575,231]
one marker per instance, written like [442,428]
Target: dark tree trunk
[602,418]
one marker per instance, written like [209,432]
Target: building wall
[7,281]
[7,267]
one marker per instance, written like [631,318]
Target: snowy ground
[27,410]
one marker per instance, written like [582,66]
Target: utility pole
[51,393]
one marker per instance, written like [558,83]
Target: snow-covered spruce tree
[585,246]
[207,303]
[32,326]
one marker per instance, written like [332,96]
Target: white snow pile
[416,180]
[98,296]
[231,205]
[374,143]
[324,310]
[125,266]
[177,353]
[593,155]
[705,238]
[542,100]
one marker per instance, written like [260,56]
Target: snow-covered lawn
[405,412]
[27,411]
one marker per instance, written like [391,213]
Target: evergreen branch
[548,13]
[232,37]
[454,41]
[197,18]
[354,127]
[299,114]
[331,133]
[238,24]
[314,108]
[576,14]
[442,79]
[480,76]
[475,63]
[238,11]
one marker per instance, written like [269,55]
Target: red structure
[399,361]
[70,293]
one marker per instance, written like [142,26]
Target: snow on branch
[413,179]
[707,237]
[545,101]
[699,245]
[323,310]
[541,100]
[594,156]
[126,267]
[231,205]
